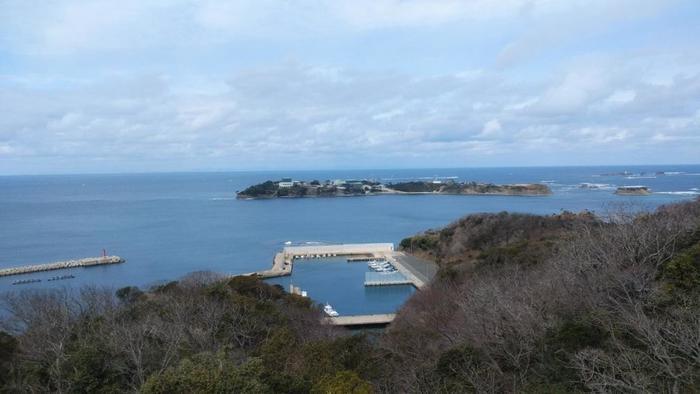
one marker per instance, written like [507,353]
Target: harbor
[283,262]
[365,283]
[59,265]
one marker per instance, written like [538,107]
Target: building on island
[286,182]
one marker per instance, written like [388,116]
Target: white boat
[288,243]
[330,311]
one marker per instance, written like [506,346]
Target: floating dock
[87,262]
[364,259]
[386,279]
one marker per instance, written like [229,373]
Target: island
[633,191]
[288,188]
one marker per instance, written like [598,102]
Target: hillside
[562,303]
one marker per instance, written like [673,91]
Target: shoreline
[395,193]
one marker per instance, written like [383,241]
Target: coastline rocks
[633,191]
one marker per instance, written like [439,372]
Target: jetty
[86,262]
[361,320]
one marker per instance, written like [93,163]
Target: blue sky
[136,85]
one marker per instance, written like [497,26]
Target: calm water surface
[167,225]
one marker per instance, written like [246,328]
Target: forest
[572,302]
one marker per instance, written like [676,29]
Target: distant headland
[288,188]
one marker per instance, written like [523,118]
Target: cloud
[384,83]
[305,114]
[491,128]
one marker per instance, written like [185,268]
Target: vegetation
[522,303]
[562,303]
[415,187]
[265,189]
[270,189]
[201,334]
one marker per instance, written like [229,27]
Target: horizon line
[218,171]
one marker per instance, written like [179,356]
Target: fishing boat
[328,309]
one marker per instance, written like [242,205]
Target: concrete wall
[343,249]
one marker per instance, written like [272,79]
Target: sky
[138,85]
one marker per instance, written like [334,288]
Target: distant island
[288,188]
[642,174]
[633,191]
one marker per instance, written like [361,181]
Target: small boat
[330,311]
[288,243]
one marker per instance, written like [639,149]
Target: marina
[382,259]
[384,273]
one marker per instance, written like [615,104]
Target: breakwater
[283,262]
[59,265]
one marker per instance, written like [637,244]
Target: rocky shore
[633,191]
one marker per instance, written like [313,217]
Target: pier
[87,262]
[418,271]
[386,279]
[361,320]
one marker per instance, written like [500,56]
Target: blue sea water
[168,225]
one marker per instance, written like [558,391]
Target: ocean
[168,225]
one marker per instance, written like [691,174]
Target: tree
[343,382]
[207,373]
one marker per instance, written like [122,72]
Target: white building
[286,182]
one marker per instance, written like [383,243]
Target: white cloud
[252,84]
[491,128]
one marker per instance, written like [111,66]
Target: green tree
[208,373]
[343,382]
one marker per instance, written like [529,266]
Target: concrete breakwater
[283,262]
[87,262]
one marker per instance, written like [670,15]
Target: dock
[361,320]
[363,259]
[87,262]
[386,279]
